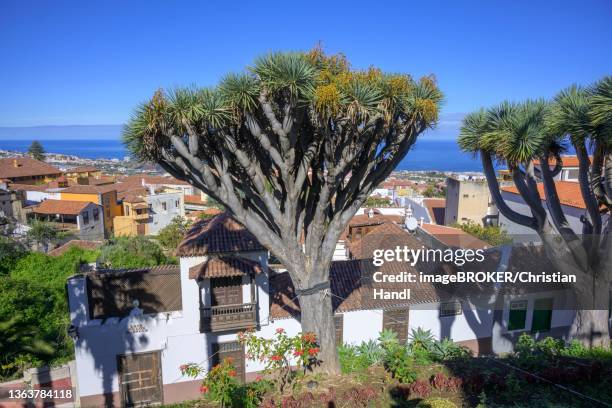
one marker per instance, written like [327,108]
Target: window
[86,217]
[571,174]
[96,214]
[466,196]
[127,210]
[164,206]
[518,315]
[450,309]
[177,203]
[542,315]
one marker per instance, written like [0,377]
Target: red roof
[52,207]
[220,234]
[87,189]
[352,287]
[568,161]
[568,192]
[225,267]
[194,199]
[13,167]
[454,237]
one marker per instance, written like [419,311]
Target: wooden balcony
[228,317]
[140,216]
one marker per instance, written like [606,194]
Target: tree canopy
[172,234]
[524,134]
[131,252]
[291,147]
[36,151]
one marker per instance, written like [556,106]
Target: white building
[164,206]
[134,329]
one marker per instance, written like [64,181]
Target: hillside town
[226,281]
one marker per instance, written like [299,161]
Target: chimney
[421,221]
[371,213]
[15,163]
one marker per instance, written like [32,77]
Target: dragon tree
[519,134]
[292,147]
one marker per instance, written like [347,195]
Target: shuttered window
[233,350]
[140,379]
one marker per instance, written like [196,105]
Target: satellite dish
[411,223]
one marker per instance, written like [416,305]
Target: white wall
[160,217]
[457,328]
[362,325]
[175,334]
[524,234]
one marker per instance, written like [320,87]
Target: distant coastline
[427,154]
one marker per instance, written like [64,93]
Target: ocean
[426,154]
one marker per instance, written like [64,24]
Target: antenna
[411,223]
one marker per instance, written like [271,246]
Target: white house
[133,329]
[164,206]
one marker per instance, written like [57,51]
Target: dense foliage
[530,137]
[172,234]
[292,147]
[491,234]
[36,151]
[33,310]
[132,252]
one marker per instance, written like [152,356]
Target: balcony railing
[228,317]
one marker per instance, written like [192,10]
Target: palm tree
[292,148]
[518,135]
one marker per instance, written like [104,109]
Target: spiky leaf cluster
[325,86]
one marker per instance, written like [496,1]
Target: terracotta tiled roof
[28,187]
[385,236]
[194,199]
[137,180]
[454,237]
[86,189]
[568,161]
[196,215]
[66,207]
[361,220]
[436,207]
[137,191]
[12,167]
[568,192]
[82,169]
[111,293]
[219,234]
[100,181]
[224,267]
[352,287]
[75,243]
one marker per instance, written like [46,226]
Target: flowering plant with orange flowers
[220,384]
[281,351]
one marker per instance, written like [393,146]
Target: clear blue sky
[90,62]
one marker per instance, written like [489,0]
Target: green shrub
[422,339]
[33,307]
[448,350]
[132,252]
[351,360]
[436,403]
[358,358]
